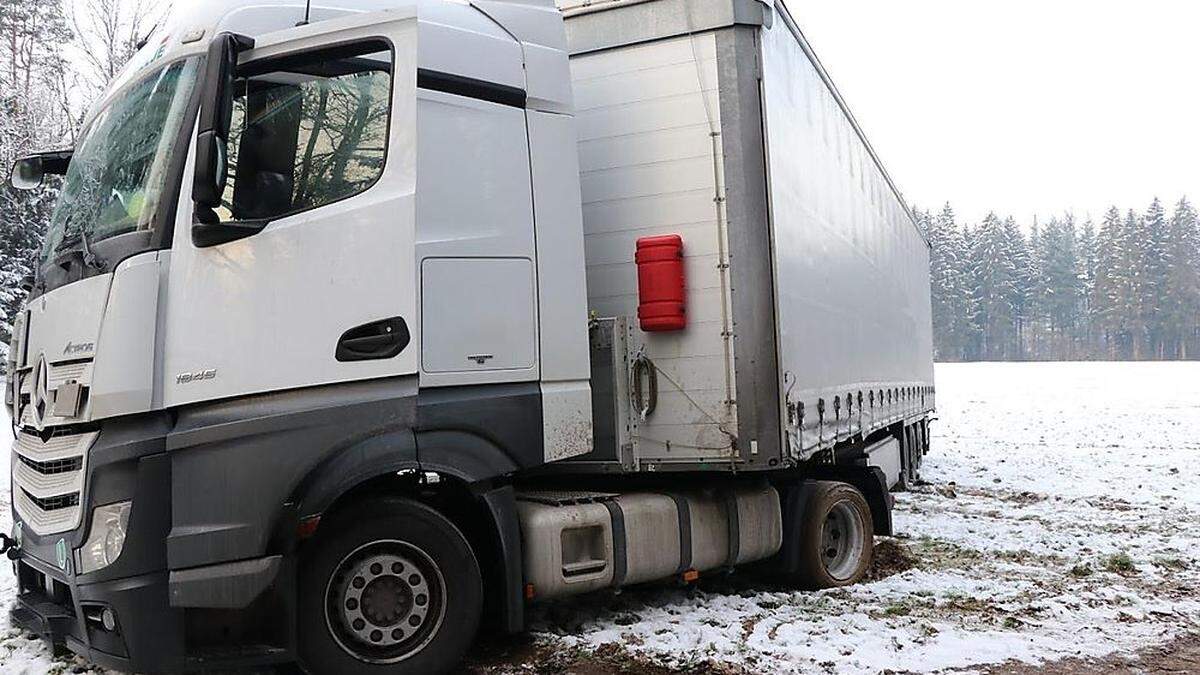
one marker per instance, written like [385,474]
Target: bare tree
[108,33]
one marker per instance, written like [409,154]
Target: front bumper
[206,578]
[198,622]
[147,633]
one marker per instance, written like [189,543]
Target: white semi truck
[365,323]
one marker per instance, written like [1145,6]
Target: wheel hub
[384,601]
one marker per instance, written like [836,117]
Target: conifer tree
[1151,264]
[948,284]
[1023,286]
[1086,272]
[1036,302]
[962,304]
[994,276]
[972,337]
[1181,286]
[1132,252]
[1061,286]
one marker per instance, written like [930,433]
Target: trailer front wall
[646,115]
[852,270]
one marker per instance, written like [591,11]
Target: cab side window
[307,131]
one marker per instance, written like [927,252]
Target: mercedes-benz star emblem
[41,392]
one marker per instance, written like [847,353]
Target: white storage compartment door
[477,314]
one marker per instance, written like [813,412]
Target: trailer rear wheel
[836,536]
[910,457]
[389,587]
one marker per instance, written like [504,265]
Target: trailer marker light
[528,591]
[690,575]
[308,526]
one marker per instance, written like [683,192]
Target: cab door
[322,158]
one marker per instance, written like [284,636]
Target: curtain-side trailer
[383,318]
[808,279]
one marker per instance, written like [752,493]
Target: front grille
[49,469]
[54,466]
[60,373]
[53,503]
[74,371]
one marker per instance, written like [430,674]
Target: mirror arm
[217,233]
[241,42]
[56,163]
[219,64]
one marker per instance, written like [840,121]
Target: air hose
[9,546]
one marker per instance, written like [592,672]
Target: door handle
[381,339]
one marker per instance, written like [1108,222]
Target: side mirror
[216,112]
[27,173]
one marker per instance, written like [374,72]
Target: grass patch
[1081,570]
[1120,563]
[1016,556]
[959,602]
[1176,564]
[937,554]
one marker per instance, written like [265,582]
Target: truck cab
[183,363]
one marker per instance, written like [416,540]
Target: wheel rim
[842,540]
[385,601]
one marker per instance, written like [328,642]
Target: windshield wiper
[85,252]
[89,257]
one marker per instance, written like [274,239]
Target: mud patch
[892,556]
[525,655]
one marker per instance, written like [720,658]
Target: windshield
[116,177]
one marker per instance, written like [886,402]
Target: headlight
[106,538]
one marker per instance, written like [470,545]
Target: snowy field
[1060,519]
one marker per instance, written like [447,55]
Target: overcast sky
[1023,106]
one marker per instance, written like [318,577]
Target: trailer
[716,121]
[386,319]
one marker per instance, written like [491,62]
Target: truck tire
[915,455]
[836,537]
[908,460]
[391,586]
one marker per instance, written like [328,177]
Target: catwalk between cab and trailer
[330,388]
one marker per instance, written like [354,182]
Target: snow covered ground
[1061,518]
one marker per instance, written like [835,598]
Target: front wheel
[389,587]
